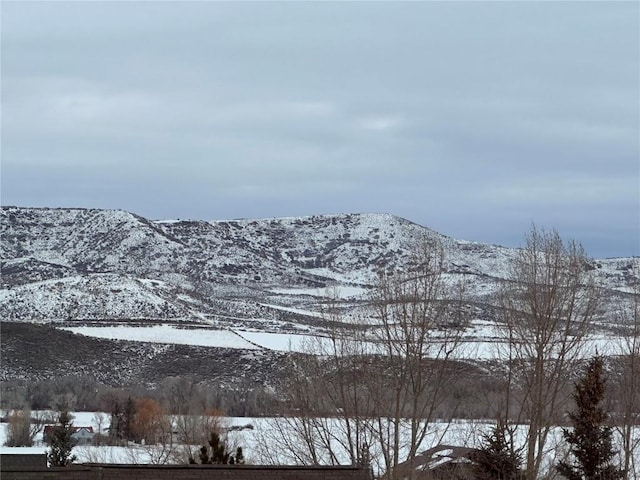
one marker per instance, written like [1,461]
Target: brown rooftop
[178,472]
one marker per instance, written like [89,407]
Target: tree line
[85,393]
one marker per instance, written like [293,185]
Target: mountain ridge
[61,264]
[74,270]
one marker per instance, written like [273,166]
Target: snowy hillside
[95,296]
[81,264]
[127,300]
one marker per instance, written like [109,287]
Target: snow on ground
[483,341]
[277,341]
[167,334]
[343,292]
[204,337]
[256,441]
[298,311]
[363,277]
[490,350]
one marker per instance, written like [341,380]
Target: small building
[81,435]
[442,462]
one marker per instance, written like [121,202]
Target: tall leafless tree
[418,335]
[627,394]
[24,426]
[371,390]
[548,304]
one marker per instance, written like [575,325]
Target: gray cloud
[470,118]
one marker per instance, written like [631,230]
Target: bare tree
[418,335]
[372,388]
[548,304]
[39,418]
[193,430]
[99,419]
[326,408]
[24,426]
[18,431]
[628,388]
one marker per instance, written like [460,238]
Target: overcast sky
[474,119]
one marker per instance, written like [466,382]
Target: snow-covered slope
[156,299]
[82,264]
[96,296]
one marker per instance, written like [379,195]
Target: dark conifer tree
[216,452]
[239,456]
[204,455]
[128,417]
[219,452]
[59,455]
[590,437]
[496,459]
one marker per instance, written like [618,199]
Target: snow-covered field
[482,341]
[344,292]
[167,334]
[204,337]
[258,442]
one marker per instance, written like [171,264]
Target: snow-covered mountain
[91,265]
[128,301]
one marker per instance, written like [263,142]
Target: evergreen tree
[239,456]
[496,459]
[216,453]
[219,452]
[128,419]
[204,455]
[59,455]
[590,438]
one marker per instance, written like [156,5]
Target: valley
[133,301]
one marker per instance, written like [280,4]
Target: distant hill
[83,267]
[87,264]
